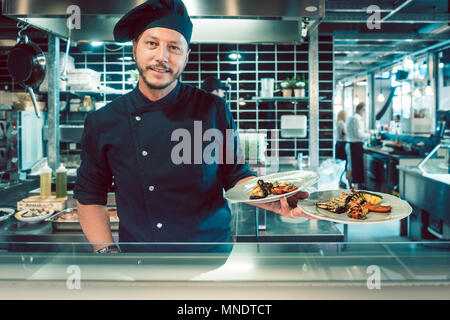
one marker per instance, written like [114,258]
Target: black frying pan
[26,65]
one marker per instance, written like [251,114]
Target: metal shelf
[283,99]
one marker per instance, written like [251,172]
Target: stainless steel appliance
[21,143]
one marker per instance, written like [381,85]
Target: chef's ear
[187,58]
[134,49]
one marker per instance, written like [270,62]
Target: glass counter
[247,271]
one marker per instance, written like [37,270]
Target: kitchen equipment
[36,202]
[61,181]
[293,126]
[46,182]
[267,86]
[254,145]
[83,80]
[27,65]
[73,224]
[32,220]
[23,144]
[437,162]
[7,212]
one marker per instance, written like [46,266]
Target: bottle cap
[61,168]
[46,169]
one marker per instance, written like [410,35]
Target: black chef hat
[212,83]
[171,14]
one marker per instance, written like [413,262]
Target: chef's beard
[154,86]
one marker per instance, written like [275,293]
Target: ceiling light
[125,59]
[311,8]
[441,65]
[381,98]
[234,56]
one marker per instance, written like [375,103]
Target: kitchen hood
[215,21]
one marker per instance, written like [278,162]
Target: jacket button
[138,118]
[159,225]
[144,153]
[151,188]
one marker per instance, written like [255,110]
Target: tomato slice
[283,189]
[377,208]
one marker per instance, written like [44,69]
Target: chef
[153,143]
[356,136]
[215,86]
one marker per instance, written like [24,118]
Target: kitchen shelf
[78,93]
[283,99]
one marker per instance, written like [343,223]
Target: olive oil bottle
[61,182]
[46,182]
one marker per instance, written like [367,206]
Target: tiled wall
[256,61]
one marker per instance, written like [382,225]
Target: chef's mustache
[159,66]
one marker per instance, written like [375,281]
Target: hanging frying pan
[26,65]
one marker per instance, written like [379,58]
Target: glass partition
[323,263]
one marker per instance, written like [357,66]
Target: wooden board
[37,202]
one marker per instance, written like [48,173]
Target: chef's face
[219,92]
[161,55]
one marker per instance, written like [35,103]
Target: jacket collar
[141,104]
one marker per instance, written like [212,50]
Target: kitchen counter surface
[390,154]
[261,271]
[441,178]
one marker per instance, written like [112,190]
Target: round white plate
[19,217]
[6,216]
[400,208]
[301,179]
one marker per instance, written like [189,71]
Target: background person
[213,85]
[340,143]
[356,135]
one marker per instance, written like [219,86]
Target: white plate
[19,217]
[6,216]
[400,208]
[301,179]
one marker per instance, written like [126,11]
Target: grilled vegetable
[280,189]
[362,197]
[377,208]
[337,205]
[260,190]
[264,188]
[357,204]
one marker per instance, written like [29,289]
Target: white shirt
[355,129]
[340,131]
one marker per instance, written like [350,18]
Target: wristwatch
[108,249]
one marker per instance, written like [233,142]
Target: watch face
[108,249]
[102,250]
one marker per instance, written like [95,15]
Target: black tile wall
[256,61]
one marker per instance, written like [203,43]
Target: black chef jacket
[130,141]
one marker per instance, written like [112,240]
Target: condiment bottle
[61,181]
[46,181]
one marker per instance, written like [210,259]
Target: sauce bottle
[46,181]
[61,181]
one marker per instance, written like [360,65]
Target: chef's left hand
[287,207]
